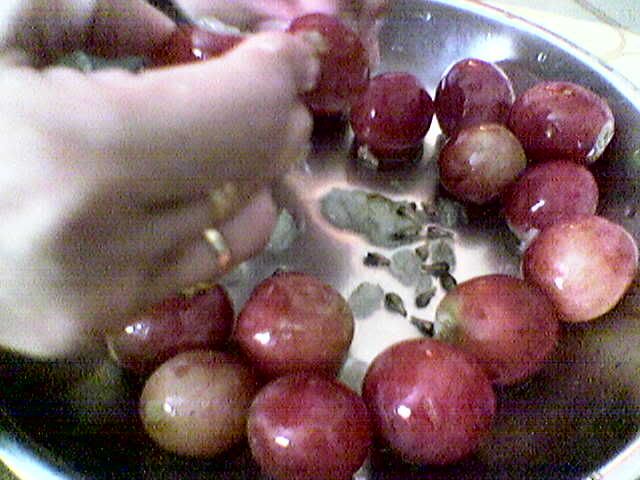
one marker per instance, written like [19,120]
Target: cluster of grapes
[268,375]
[530,154]
[213,379]
[430,400]
[533,157]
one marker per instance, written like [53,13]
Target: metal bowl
[579,418]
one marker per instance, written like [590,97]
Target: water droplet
[542,57]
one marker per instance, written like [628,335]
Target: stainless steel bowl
[579,418]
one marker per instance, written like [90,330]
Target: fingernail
[319,46]
[299,145]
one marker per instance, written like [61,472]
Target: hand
[105,177]
[364,16]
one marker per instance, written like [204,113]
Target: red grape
[190,43]
[480,161]
[547,193]
[393,115]
[344,65]
[429,402]
[473,91]
[562,121]
[196,403]
[509,325]
[200,318]
[307,427]
[293,322]
[585,264]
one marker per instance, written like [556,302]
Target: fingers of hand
[244,14]
[229,198]
[244,234]
[296,54]
[108,281]
[225,119]
[46,30]
[131,27]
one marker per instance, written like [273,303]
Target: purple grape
[510,326]
[308,427]
[393,115]
[429,402]
[480,162]
[344,66]
[190,43]
[584,264]
[201,318]
[473,91]
[294,322]
[562,121]
[546,193]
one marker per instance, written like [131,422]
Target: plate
[579,418]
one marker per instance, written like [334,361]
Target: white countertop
[608,29]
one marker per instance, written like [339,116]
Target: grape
[473,91]
[294,322]
[307,427]
[562,121]
[429,402]
[200,318]
[393,115]
[344,65]
[546,193]
[585,264]
[510,326]
[196,403]
[190,43]
[480,161]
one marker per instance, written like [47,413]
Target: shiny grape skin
[429,402]
[393,115]
[510,326]
[480,162]
[294,322]
[558,120]
[200,319]
[344,65]
[190,43]
[546,193]
[473,91]
[584,264]
[308,427]
[196,404]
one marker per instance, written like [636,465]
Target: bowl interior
[566,422]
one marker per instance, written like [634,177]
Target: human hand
[105,177]
[363,16]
